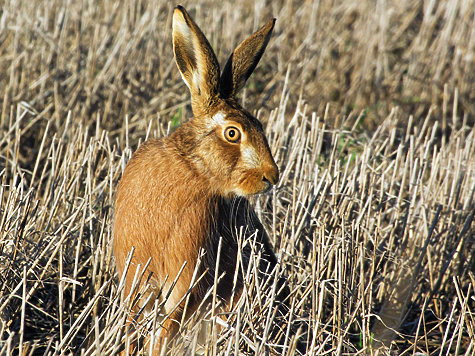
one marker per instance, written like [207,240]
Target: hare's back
[155,172]
[157,208]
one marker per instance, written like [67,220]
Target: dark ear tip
[180,9]
[270,26]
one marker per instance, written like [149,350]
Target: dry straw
[373,231]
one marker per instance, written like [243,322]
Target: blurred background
[114,58]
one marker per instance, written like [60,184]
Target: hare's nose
[271,175]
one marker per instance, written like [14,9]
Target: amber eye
[232,134]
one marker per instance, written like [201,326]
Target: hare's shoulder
[150,150]
[154,156]
[149,163]
[159,165]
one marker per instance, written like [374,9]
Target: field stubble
[374,230]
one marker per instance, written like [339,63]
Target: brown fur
[181,194]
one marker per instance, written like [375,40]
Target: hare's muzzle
[271,176]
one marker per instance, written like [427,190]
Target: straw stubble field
[368,107]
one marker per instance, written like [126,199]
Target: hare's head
[228,143]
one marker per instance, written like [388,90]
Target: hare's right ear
[195,60]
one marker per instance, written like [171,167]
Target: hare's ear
[195,59]
[243,61]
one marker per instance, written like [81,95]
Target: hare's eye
[232,134]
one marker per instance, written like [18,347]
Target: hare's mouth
[246,190]
[268,187]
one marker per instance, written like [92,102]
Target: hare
[179,195]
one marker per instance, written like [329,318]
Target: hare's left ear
[243,61]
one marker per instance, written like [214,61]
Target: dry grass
[374,230]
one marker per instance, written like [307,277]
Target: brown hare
[180,194]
